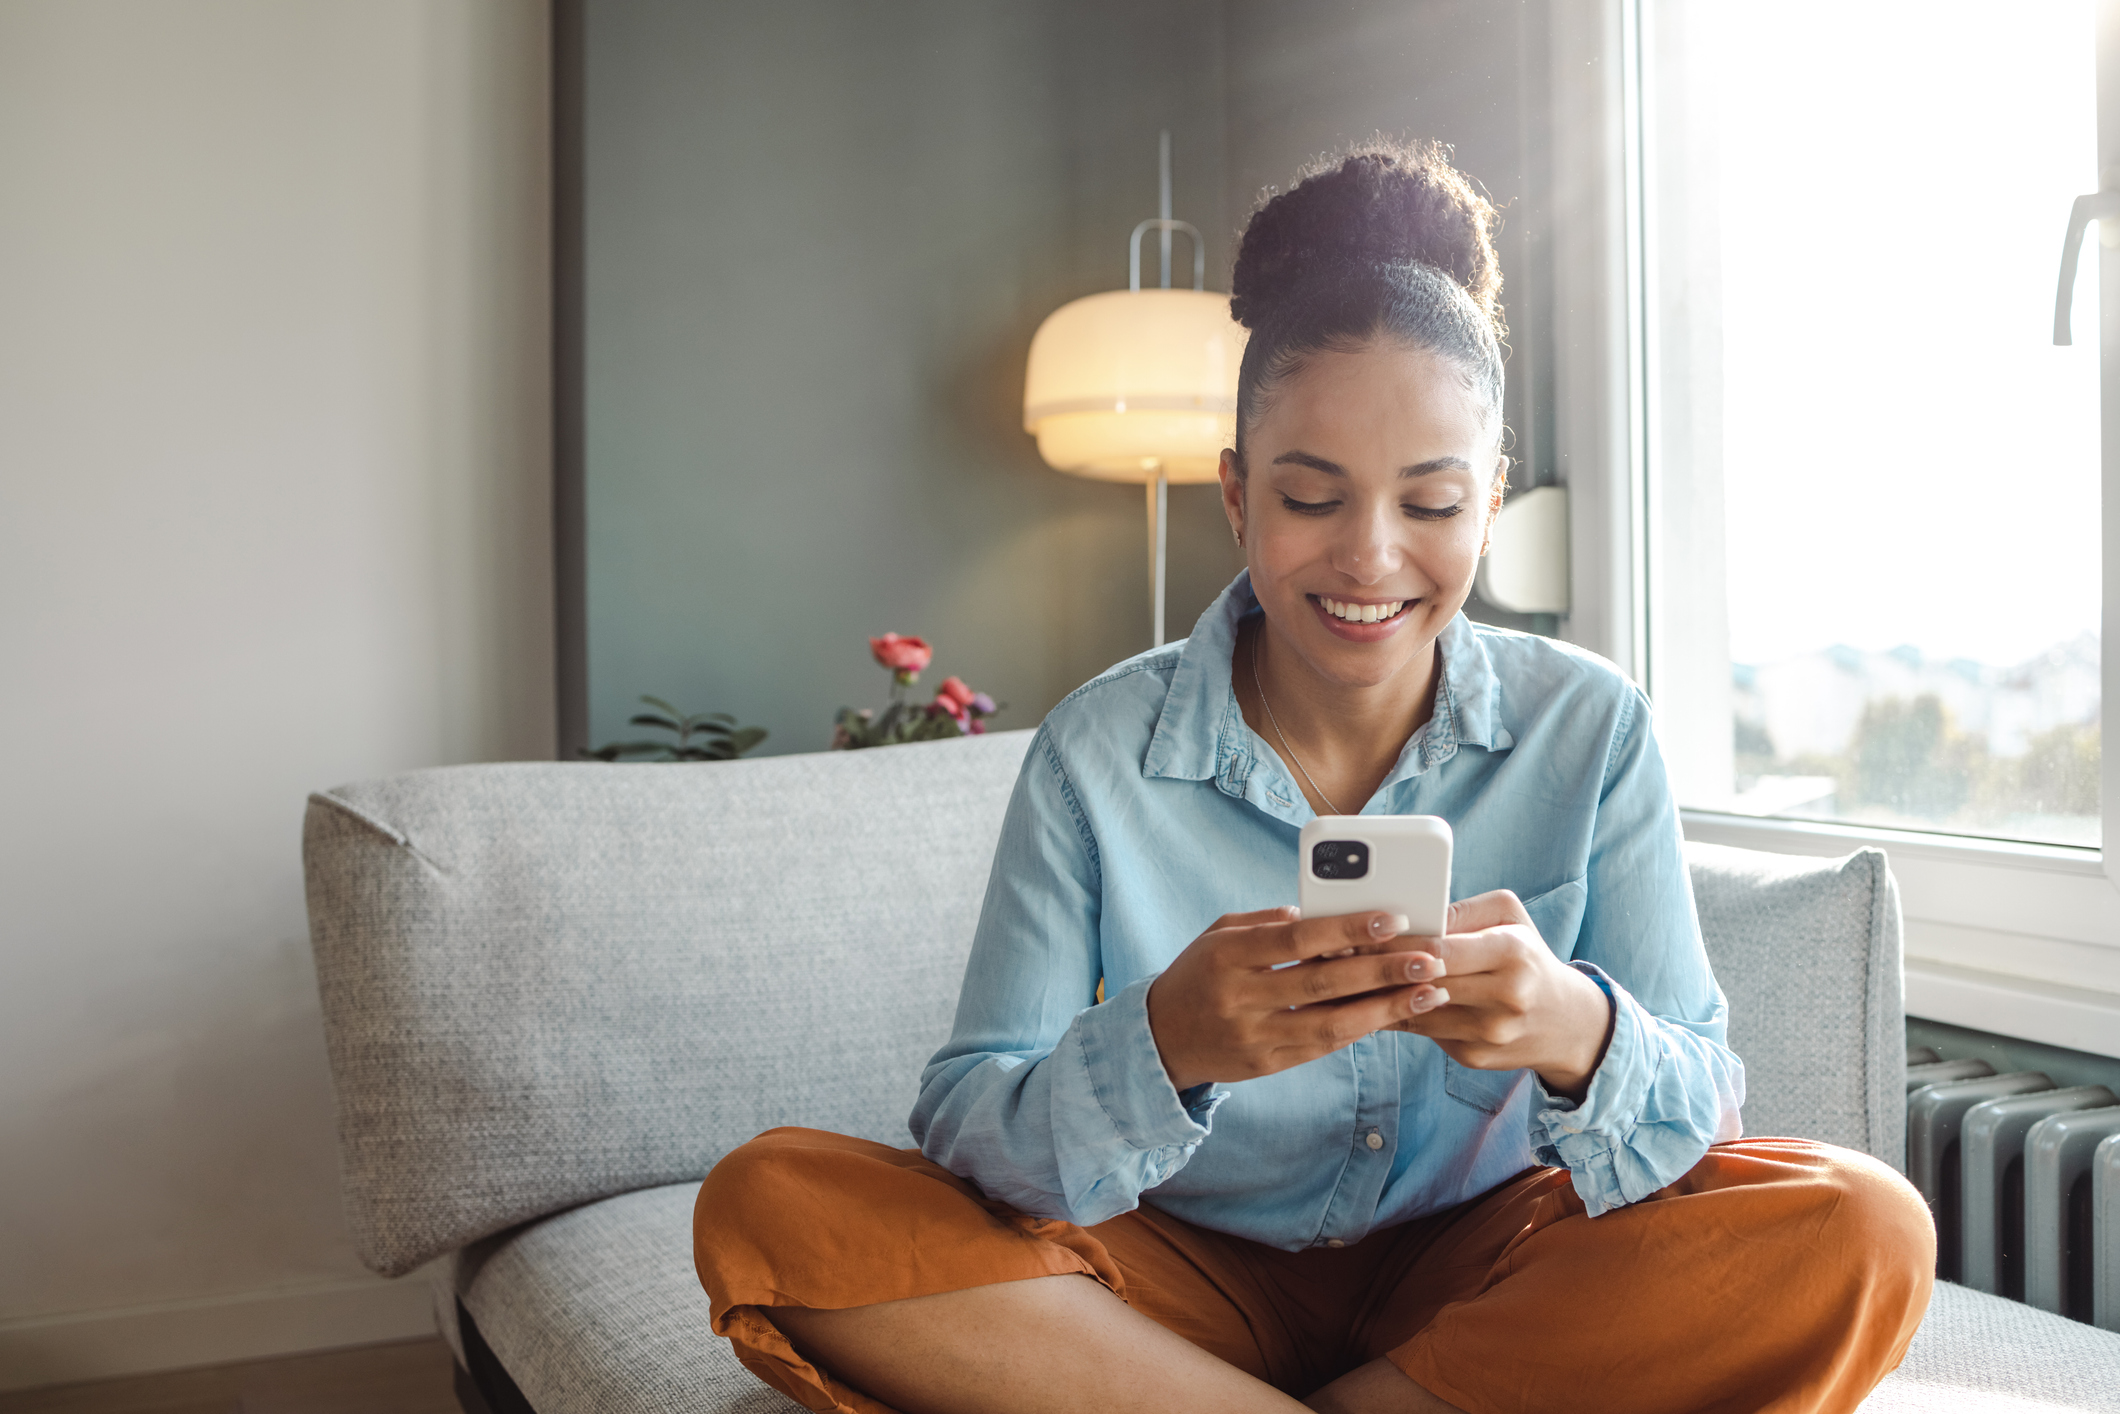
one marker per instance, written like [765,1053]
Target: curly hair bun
[1350,218]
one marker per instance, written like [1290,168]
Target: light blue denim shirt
[1147,808]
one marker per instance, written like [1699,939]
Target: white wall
[273,515]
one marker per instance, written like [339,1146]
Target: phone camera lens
[1339,859]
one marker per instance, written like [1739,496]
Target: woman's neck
[1339,741]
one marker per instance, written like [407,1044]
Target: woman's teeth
[1361,613]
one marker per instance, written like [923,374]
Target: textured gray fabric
[1980,1354]
[546,984]
[598,1311]
[1807,951]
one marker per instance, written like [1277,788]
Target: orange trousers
[1778,1275]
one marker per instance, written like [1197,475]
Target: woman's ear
[1232,476]
[1494,501]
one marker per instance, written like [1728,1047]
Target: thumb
[1489,910]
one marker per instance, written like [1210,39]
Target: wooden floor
[406,1377]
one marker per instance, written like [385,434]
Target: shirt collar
[1201,734]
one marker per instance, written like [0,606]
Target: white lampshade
[1123,384]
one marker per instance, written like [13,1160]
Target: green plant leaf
[937,728]
[703,736]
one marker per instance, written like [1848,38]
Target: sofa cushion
[597,1311]
[544,984]
[1807,952]
[1980,1354]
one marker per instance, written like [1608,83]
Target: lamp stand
[1159,487]
[1158,542]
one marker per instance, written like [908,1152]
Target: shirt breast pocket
[1558,915]
[1486,1090]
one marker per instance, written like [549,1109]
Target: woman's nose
[1370,550]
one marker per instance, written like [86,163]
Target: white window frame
[2017,939]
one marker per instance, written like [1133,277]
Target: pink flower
[903,655]
[954,697]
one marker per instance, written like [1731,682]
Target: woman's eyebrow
[1314,463]
[1425,468]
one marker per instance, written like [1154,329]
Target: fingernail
[1430,999]
[1417,968]
[1390,925]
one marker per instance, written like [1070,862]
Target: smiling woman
[1363,530]
[1324,1160]
[1370,397]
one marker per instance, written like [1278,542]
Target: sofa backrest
[1808,955]
[545,984]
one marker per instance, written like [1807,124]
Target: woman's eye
[1307,508]
[1434,512]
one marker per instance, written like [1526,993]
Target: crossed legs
[1778,1275]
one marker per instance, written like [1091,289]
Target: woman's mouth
[1347,611]
[1361,622]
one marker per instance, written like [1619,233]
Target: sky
[1907,456]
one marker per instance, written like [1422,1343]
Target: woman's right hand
[1227,1009]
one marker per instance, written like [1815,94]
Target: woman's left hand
[1513,1004]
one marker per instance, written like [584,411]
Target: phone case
[1388,863]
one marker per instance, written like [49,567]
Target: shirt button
[1376,1140]
[1334,1242]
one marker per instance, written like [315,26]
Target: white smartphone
[1377,863]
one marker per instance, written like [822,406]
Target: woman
[1496,1170]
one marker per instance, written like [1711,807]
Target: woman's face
[1374,478]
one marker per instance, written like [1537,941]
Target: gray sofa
[556,994]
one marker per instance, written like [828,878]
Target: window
[1835,492]
[1858,248]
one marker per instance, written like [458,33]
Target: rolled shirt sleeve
[1668,1085]
[1058,1108]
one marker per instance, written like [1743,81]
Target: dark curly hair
[1386,240]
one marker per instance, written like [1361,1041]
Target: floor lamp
[1139,385]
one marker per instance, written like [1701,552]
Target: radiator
[2023,1178]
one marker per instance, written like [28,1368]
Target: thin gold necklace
[1260,683]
